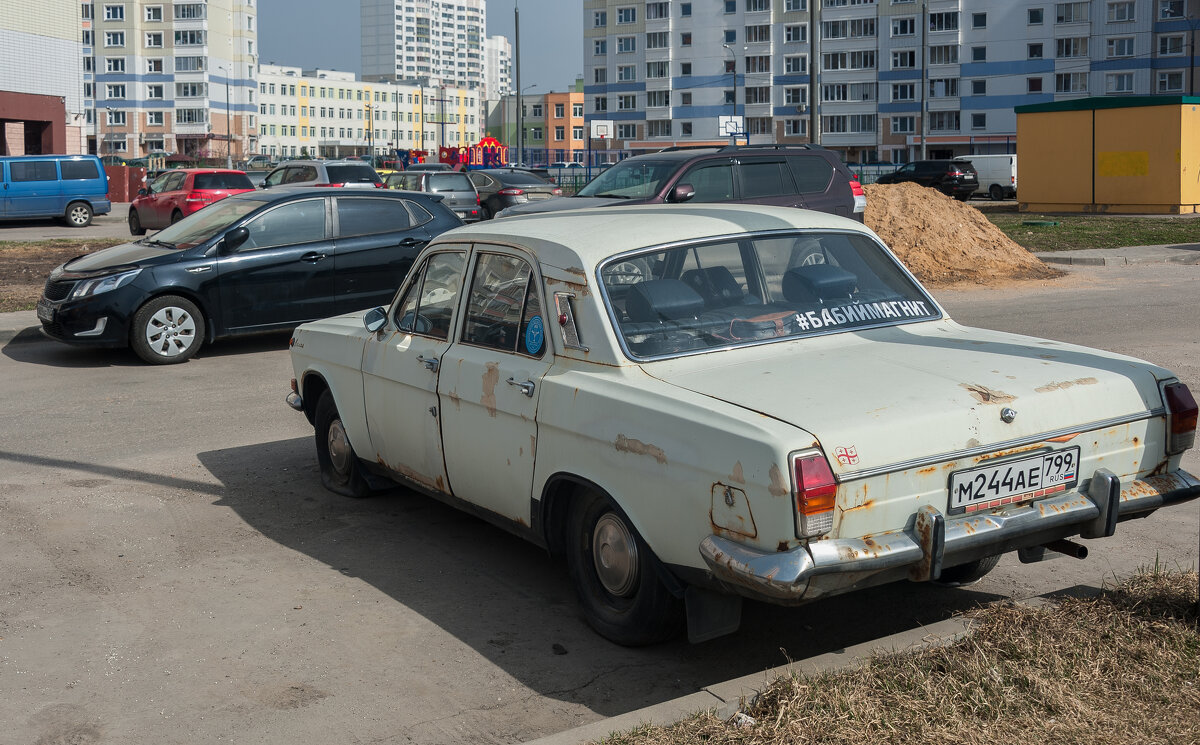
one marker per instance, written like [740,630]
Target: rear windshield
[352,174]
[521,178]
[631,179]
[223,181]
[757,289]
[449,182]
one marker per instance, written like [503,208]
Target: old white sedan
[698,403]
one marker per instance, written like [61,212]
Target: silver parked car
[350,174]
[458,193]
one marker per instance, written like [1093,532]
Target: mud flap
[930,529]
[711,614]
[1105,491]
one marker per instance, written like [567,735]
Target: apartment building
[892,80]
[334,114]
[174,77]
[434,42]
[497,68]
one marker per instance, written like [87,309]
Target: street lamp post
[228,125]
[370,133]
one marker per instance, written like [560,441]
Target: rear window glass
[352,174]
[33,170]
[449,182]
[223,181]
[521,178]
[757,289]
[812,173]
[79,170]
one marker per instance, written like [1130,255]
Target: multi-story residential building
[175,77]
[334,114]
[41,78]
[436,42]
[497,68]
[875,79]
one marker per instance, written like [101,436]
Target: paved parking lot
[173,571]
[111,225]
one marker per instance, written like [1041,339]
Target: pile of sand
[943,241]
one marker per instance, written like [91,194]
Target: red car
[178,193]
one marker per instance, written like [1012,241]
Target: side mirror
[143,192]
[263,184]
[374,319]
[235,238]
[682,193]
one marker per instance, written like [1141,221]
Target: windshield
[631,179]
[757,289]
[200,226]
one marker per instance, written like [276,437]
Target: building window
[86,37]
[1071,82]
[626,102]
[114,38]
[1035,17]
[560,110]
[795,96]
[114,64]
[560,133]
[795,64]
[154,13]
[947,21]
[685,98]
[190,90]
[902,125]
[626,73]
[979,54]
[1170,46]
[659,69]
[758,34]
[154,65]
[685,39]
[685,69]
[154,90]
[904,59]
[1120,47]
[658,10]
[978,87]
[86,11]
[628,44]
[943,87]
[576,133]
[1120,12]
[154,119]
[1035,51]
[600,46]
[758,63]
[657,99]
[1071,47]
[626,15]
[979,20]
[600,75]
[978,121]
[904,91]
[796,33]
[577,110]
[904,26]
[793,6]
[685,129]
[685,9]
[1170,9]
[114,90]
[1170,81]
[116,118]
[196,64]
[758,94]
[154,39]
[795,127]
[758,6]
[758,125]
[600,19]
[946,54]
[860,60]
[114,12]
[626,131]
[730,36]
[600,103]
[189,38]
[1033,85]
[943,121]
[730,6]
[1118,82]
[1071,12]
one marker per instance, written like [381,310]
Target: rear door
[283,274]
[377,240]
[34,189]
[818,185]
[766,181]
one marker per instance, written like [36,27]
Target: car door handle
[431,363]
[526,387]
[412,242]
[312,257]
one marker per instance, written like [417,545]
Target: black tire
[167,330]
[629,604]
[135,223]
[962,197]
[969,573]
[340,472]
[176,216]
[78,214]
[996,192]
[484,213]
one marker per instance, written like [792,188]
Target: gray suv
[350,174]
[805,176]
[458,193]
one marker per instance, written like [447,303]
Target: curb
[1055,258]
[727,698]
[20,336]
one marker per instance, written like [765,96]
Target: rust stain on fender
[637,447]
[985,395]
[737,476]
[455,399]
[490,377]
[778,487]
[1063,384]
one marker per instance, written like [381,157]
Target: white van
[997,174]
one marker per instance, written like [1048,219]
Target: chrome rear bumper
[933,540]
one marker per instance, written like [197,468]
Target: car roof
[282,193]
[567,239]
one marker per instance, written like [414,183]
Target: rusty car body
[695,404]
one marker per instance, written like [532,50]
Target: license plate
[1014,481]
[45,312]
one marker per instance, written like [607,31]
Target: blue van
[73,187]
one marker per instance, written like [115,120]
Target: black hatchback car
[954,178]
[252,262]
[805,176]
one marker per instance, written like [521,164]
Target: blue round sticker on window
[535,334]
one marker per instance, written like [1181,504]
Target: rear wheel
[167,330]
[484,212]
[176,216]
[614,574]
[336,457]
[996,192]
[135,223]
[79,214]
[969,573]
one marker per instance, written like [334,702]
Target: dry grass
[24,266]
[1123,667]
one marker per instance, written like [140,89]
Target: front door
[490,382]
[401,366]
[283,274]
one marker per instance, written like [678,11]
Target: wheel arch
[312,384]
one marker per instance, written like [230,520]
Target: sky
[325,34]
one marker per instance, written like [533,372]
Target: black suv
[805,176]
[954,178]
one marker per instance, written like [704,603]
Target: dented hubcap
[614,554]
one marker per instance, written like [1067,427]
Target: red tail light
[856,188]
[558,192]
[815,492]
[328,185]
[200,196]
[380,185]
[511,191]
[1181,418]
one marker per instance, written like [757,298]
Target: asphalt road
[172,571]
[110,225]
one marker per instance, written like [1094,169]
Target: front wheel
[79,214]
[614,575]
[167,330]
[339,464]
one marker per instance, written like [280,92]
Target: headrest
[662,300]
[817,282]
[716,283]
